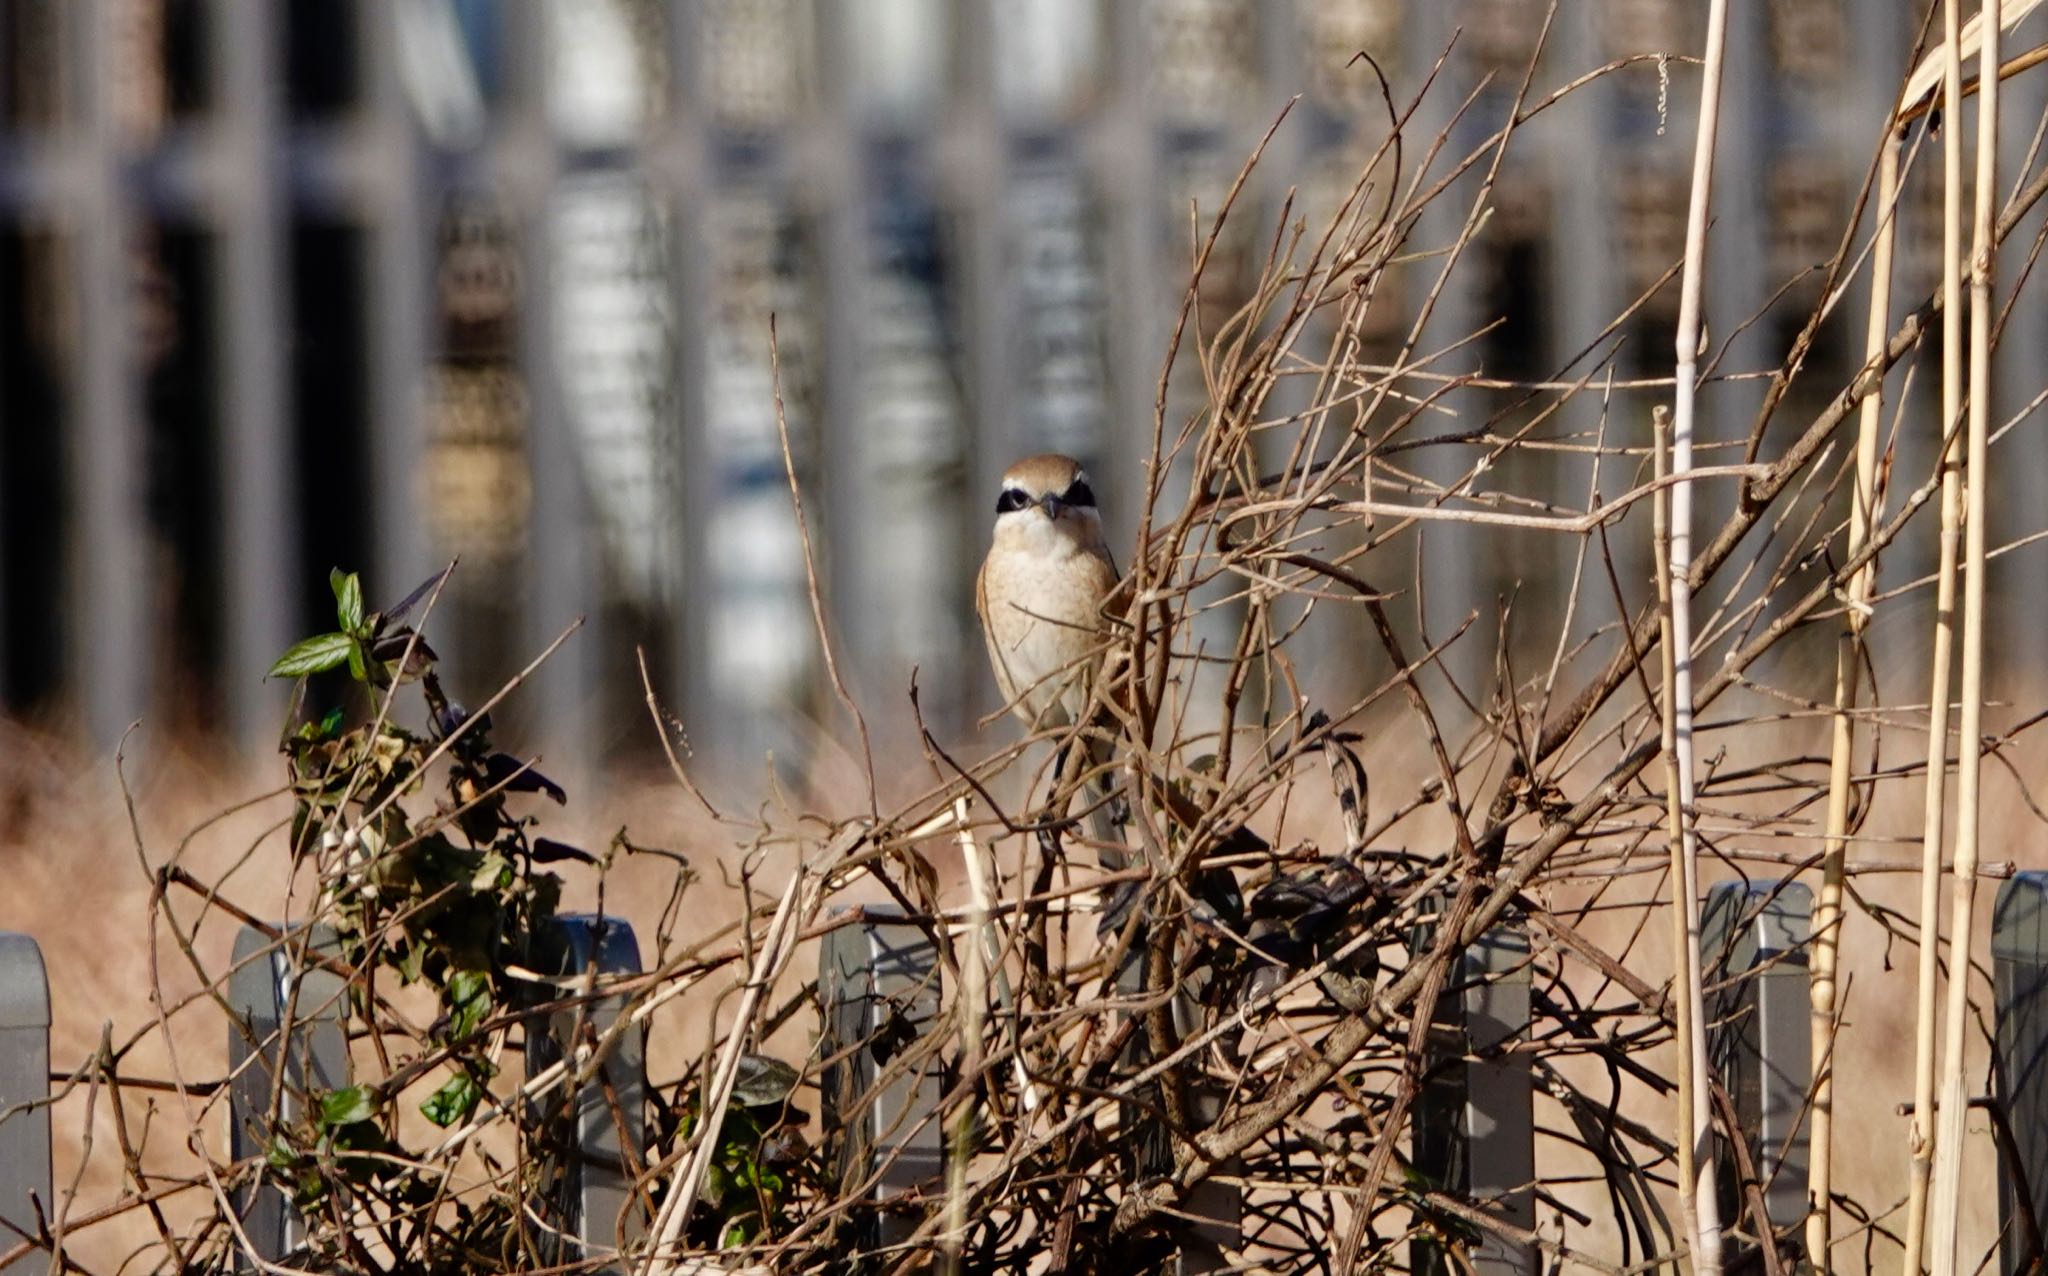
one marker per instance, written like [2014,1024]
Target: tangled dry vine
[1277,1025]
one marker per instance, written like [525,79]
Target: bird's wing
[999,661]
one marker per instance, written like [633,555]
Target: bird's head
[1048,494]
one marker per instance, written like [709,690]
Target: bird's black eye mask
[1077,496]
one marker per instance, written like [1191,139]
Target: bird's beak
[1052,505]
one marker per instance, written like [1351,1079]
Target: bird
[1046,594]
[1041,590]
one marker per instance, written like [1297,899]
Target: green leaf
[348,599]
[469,1001]
[358,667]
[280,1154]
[493,872]
[317,654]
[325,729]
[360,1136]
[454,1101]
[347,1106]
[763,1082]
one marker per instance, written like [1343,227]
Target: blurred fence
[379,283]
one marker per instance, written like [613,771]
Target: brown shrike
[1041,590]
[1043,593]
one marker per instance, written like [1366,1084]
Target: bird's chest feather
[1042,609]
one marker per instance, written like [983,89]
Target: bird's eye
[1011,501]
[1079,493]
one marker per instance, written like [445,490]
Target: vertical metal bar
[2019,955]
[974,156]
[395,205]
[682,157]
[286,1046]
[878,992]
[562,564]
[1753,938]
[975,161]
[827,154]
[2018,609]
[256,451]
[1124,162]
[601,1145]
[24,1079]
[1499,1120]
[1474,1125]
[1451,588]
[1741,228]
[1585,275]
[108,607]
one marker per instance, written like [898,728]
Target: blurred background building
[378,283]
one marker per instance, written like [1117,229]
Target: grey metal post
[1474,1127]
[394,201]
[107,664]
[256,462]
[878,989]
[592,1186]
[1211,1219]
[285,1048]
[24,1079]
[1753,941]
[2019,960]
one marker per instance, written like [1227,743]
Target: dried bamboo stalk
[974,962]
[1674,817]
[1696,1124]
[689,1180]
[1827,917]
[1926,1121]
[1970,754]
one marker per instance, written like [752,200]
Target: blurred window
[32,80]
[899,55]
[1049,58]
[757,62]
[35,518]
[1809,40]
[1205,60]
[1516,253]
[330,373]
[1059,337]
[322,48]
[1334,34]
[607,66]
[613,337]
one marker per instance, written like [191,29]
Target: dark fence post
[2019,955]
[1759,1029]
[601,1127]
[286,1047]
[878,989]
[1474,1127]
[24,1080]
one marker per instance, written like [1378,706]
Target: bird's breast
[1043,617]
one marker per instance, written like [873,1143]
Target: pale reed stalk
[1934,801]
[689,1178]
[1696,1126]
[974,961]
[1674,819]
[1827,916]
[1948,1150]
